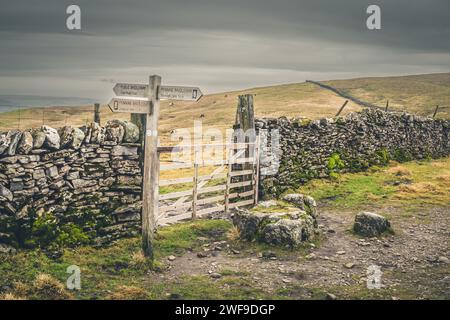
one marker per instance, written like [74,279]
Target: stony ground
[414,261]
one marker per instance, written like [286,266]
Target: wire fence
[22,118]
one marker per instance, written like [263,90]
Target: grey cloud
[217,44]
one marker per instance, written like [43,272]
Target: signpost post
[142,101]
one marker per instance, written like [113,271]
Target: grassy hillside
[291,100]
[417,94]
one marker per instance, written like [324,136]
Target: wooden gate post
[245,120]
[150,177]
[245,114]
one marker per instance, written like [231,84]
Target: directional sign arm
[131,89]
[180,93]
[129,105]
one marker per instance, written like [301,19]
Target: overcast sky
[217,45]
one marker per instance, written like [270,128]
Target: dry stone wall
[69,186]
[323,148]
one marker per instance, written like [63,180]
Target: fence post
[387,106]
[435,111]
[97,113]
[18,120]
[342,108]
[245,122]
[195,187]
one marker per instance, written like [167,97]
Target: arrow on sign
[165,92]
[130,105]
[131,89]
[180,93]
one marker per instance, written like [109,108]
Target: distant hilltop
[12,102]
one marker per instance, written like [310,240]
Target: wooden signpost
[142,101]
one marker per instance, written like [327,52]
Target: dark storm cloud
[217,44]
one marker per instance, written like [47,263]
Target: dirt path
[413,261]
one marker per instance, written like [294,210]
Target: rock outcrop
[289,227]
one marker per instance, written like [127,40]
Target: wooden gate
[210,185]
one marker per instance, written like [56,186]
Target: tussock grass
[123,292]
[233,234]
[10,296]
[44,286]
[399,171]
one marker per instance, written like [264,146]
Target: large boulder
[52,139]
[369,224]
[289,227]
[26,143]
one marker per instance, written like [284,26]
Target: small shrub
[383,156]
[72,235]
[335,162]
[402,155]
[334,176]
[44,230]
